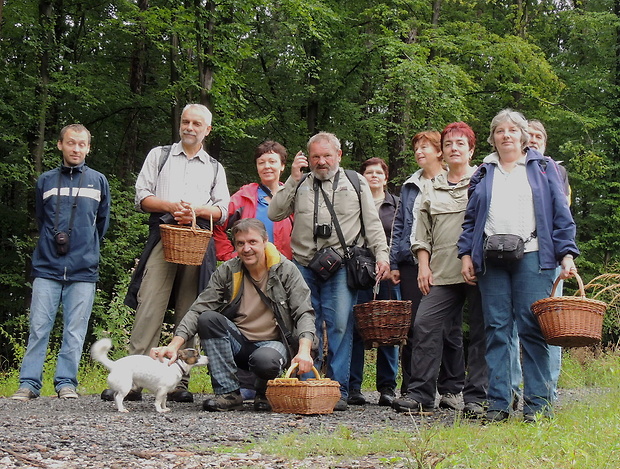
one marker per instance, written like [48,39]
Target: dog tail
[99,352]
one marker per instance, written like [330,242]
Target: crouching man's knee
[266,363]
[211,325]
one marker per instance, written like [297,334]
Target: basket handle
[582,292]
[295,365]
[194,226]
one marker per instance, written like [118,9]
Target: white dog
[141,371]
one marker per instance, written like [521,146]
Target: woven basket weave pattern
[383,322]
[570,321]
[185,244]
[313,396]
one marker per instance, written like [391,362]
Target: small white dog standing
[141,371]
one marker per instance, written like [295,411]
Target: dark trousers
[439,311]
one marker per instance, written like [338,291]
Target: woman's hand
[568,267]
[467,270]
[395,274]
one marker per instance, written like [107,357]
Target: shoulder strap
[163,157]
[354,179]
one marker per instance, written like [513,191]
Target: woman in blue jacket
[517,191]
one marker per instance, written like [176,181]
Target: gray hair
[201,109]
[508,115]
[246,224]
[324,136]
[537,125]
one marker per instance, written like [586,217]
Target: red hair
[460,128]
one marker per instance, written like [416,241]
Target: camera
[62,243]
[322,231]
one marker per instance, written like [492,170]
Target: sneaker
[450,401]
[473,410]
[24,394]
[341,406]
[356,397]
[496,415]
[261,404]
[224,402]
[180,395]
[108,395]
[68,392]
[386,397]
[408,404]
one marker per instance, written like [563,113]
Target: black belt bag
[325,263]
[502,249]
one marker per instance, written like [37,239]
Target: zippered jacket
[88,192]
[555,227]
[243,205]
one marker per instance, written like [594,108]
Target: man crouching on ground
[253,311]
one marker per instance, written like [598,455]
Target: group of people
[281,291]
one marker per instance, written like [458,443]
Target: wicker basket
[383,322]
[314,396]
[570,321]
[185,244]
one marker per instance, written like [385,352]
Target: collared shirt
[184,179]
[300,201]
[512,206]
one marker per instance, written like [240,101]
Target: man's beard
[325,177]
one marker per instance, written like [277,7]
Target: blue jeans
[387,355]
[507,293]
[333,302]
[77,302]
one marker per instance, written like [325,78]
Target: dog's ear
[191,360]
[187,353]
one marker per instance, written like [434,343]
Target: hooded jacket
[82,195]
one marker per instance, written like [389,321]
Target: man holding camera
[72,212]
[316,243]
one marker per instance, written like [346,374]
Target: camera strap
[73,205]
[318,185]
[332,212]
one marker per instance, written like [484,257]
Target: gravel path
[89,433]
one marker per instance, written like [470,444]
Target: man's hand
[183,213]
[467,270]
[382,270]
[395,276]
[300,161]
[303,357]
[169,351]
[425,279]
[568,267]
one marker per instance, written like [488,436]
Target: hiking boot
[24,394]
[409,404]
[473,410]
[67,392]
[180,395]
[450,401]
[261,404]
[224,402]
[386,397]
[108,395]
[341,406]
[496,415]
[356,398]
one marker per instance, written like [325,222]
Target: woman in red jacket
[252,201]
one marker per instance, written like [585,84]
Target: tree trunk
[45,22]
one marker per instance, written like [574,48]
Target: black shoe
[408,404]
[473,410]
[108,395]
[496,415]
[261,404]
[341,405]
[180,395]
[223,402]
[386,397]
[356,398]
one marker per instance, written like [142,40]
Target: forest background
[374,73]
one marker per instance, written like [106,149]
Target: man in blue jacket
[72,211]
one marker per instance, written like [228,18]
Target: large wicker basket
[383,322]
[292,396]
[185,244]
[570,321]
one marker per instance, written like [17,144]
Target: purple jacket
[555,227]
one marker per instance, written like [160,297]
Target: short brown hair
[246,224]
[270,146]
[431,136]
[373,162]
[76,128]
